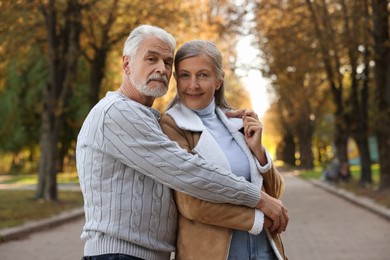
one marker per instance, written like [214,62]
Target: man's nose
[161,68]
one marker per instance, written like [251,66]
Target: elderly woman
[196,120]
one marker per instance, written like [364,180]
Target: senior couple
[196,181]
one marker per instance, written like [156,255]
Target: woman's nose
[194,82]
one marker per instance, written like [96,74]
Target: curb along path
[359,200]
[34,226]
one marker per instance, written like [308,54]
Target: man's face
[151,69]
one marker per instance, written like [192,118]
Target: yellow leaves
[20,20]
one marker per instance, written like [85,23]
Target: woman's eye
[183,75]
[202,75]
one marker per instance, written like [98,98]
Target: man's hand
[275,210]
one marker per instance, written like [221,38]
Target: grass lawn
[26,179]
[353,185]
[18,206]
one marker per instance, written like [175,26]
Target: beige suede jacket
[205,228]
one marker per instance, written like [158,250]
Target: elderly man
[127,165]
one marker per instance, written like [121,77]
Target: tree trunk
[63,54]
[334,78]
[358,114]
[47,185]
[340,142]
[382,80]
[98,65]
[365,161]
[288,149]
[305,137]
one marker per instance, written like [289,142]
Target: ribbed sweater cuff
[110,245]
[253,195]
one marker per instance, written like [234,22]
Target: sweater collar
[207,111]
[187,119]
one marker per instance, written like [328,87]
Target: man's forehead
[156,46]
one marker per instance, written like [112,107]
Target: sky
[252,78]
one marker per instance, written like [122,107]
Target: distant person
[337,171]
[343,173]
[196,120]
[331,172]
[127,166]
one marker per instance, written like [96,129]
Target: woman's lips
[193,95]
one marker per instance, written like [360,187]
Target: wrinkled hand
[267,222]
[253,130]
[275,211]
[241,113]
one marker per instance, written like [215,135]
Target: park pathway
[322,227]
[326,227]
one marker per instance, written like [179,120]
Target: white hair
[136,37]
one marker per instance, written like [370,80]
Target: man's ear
[126,64]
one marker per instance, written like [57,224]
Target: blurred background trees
[327,62]
[328,58]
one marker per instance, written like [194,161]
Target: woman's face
[197,81]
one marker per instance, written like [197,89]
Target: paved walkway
[322,227]
[326,227]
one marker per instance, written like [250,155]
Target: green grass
[30,179]
[316,173]
[18,206]
[353,185]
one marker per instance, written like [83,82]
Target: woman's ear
[220,81]
[174,75]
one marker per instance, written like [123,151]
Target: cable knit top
[126,167]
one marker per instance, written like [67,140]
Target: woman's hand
[241,113]
[276,215]
[253,131]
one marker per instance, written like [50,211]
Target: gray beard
[143,88]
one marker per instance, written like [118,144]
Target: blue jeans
[111,257]
[245,246]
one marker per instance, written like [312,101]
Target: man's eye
[152,59]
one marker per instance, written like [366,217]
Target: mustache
[159,77]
